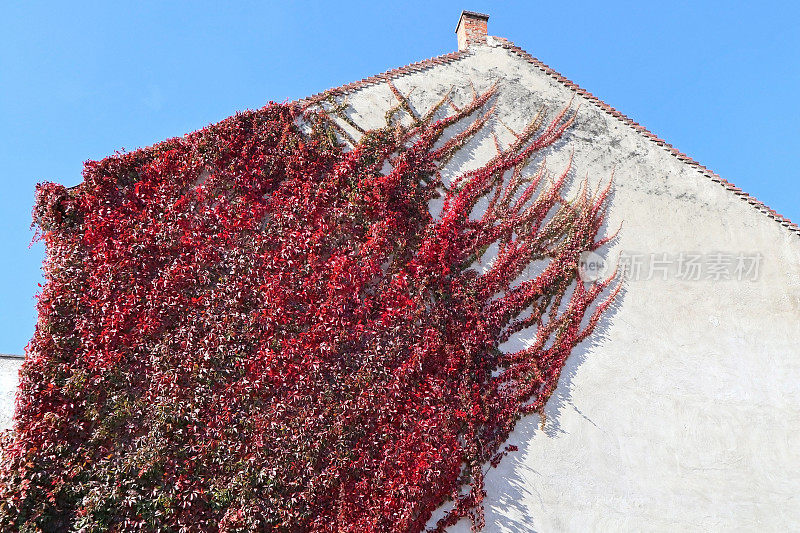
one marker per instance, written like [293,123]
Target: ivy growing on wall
[261,326]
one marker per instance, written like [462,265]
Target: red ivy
[257,327]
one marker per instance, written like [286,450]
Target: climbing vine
[261,325]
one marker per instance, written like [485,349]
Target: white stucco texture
[9,380]
[682,411]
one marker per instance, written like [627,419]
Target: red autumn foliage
[254,327]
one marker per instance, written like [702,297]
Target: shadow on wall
[509,487]
[511,500]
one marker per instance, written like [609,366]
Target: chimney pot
[471,29]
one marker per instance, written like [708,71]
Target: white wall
[9,379]
[683,411]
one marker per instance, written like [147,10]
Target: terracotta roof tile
[508,45]
[661,142]
[381,78]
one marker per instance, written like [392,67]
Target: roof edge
[750,199]
[509,45]
[381,78]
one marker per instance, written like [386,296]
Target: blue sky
[80,80]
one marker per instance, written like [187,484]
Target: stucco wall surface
[9,379]
[683,410]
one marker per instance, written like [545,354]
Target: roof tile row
[505,43]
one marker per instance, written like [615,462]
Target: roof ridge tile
[785,221]
[502,42]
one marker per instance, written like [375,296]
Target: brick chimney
[471,29]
